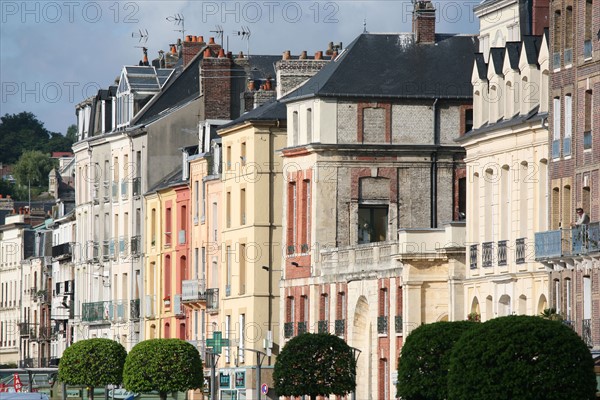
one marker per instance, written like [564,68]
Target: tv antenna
[219,32]
[142,34]
[245,34]
[178,19]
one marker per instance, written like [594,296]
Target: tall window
[556,128]
[524,198]
[568,289]
[229,255]
[291,218]
[569,36]
[568,125]
[242,264]
[307,215]
[587,125]
[557,301]
[243,207]
[153,226]
[587,35]
[243,154]
[167,276]
[242,338]
[295,128]
[228,210]
[557,39]
[566,206]
[168,227]
[196,201]
[309,125]
[227,328]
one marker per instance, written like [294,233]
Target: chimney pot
[207,53]
[194,40]
[221,53]
[319,55]
[334,55]
[188,38]
[286,55]
[303,55]
[211,40]
[201,39]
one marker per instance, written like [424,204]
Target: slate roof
[271,111]
[497,56]
[393,66]
[514,52]
[481,65]
[172,179]
[532,48]
[518,119]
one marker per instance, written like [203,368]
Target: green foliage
[93,363]
[315,364]
[72,133]
[425,359]
[521,357]
[23,131]
[33,166]
[164,365]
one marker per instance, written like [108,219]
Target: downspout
[434,157]
[271,218]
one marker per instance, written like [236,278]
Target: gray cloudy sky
[53,54]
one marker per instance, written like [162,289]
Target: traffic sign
[264,389]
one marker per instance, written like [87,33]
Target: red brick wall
[216,87]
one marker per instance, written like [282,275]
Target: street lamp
[355,353]
[213,358]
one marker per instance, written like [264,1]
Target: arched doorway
[361,339]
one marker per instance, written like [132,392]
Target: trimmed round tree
[425,360]
[163,365]
[521,357]
[92,363]
[315,364]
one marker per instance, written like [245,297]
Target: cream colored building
[507,169]
[250,244]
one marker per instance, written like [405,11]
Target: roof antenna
[178,19]
[219,31]
[142,34]
[245,34]
[365,25]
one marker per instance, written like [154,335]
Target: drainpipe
[433,175]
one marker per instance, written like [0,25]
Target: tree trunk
[163,395]
[91,393]
[313,397]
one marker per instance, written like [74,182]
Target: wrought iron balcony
[193,290]
[99,311]
[473,256]
[502,252]
[23,328]
[487,254]
[382,324]
[398,323]
[136,245]
[212,300]
[288,329]
[340,327]
[520,251]
[302,327]
[134,309]
[177,308]
[62,250]
[323,326]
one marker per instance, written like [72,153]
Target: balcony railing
[473,256]
[587,49]
[398,323]
[288,329]
[520,251]
[134,309]
[111,249]
[23,328]
[193,290]
[63,249]
[99,311]
[122,249]
[340,327]
[586,332]
[212,299]
[302,327]
[177,308]
[487,254]
[382,324]
[580,240]
[323,326]
[502,254]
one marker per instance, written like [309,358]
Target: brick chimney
[191,47]
[423,24]
[216,85]
[540,18]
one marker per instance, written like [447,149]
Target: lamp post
[355,353]
[259,361]
[213,359]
